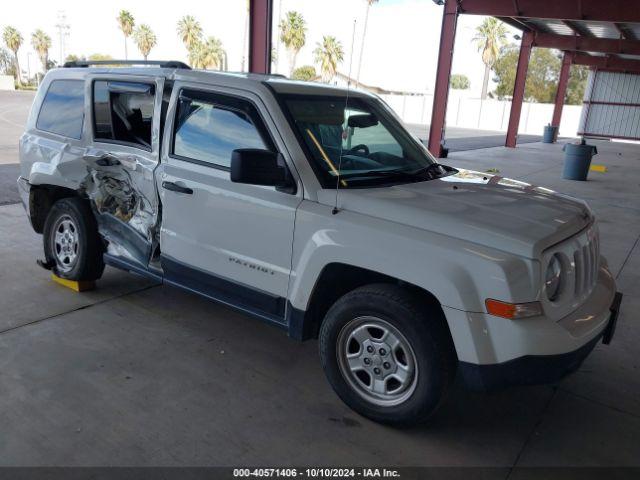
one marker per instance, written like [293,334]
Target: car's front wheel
[387,354]
[71,241]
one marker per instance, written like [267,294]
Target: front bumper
[536,369]
[24,189]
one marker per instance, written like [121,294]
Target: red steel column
[565,70]
[441,91]
[518,89]
[260,35]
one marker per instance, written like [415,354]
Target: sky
[400,51]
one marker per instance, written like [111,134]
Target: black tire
[423,327]
[88,264]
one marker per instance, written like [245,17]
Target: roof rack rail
[159,63]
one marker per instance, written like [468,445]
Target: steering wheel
[360,148]
[347,163]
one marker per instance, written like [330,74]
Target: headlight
[553,278]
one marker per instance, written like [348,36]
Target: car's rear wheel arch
[41,200]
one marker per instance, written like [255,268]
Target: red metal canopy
[622,11]
[607,63]
[260,21]
[587,44]
[602,34]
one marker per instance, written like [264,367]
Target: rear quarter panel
[47,158]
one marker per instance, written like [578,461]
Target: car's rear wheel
[71,241]
[387,354]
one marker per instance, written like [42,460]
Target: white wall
[619,115]
[485,114]
[7,82]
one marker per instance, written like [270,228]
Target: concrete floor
[14,109]
[140,374]
[458,139]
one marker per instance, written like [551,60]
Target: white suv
[312,208]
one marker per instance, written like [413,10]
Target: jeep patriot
[312,208]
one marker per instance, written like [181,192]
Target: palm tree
[364,35]
[214,53]
[328,55]
[6,61]
[189,31]
[198,56]
[275,52]
[100,57]
[145,39]
[41,43]
[72,57]
[13,41]
[489,37]
[126,24]
[293,33]
[209,54]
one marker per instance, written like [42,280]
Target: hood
[490,210]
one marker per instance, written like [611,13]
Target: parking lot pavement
[28,294]
[14,109]
[8,189]
[459,139]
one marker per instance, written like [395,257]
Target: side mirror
[259,167]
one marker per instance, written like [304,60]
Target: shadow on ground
[8,187]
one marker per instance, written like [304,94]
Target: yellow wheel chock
[76,286]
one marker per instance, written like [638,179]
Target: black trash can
[577,160]
[550,134]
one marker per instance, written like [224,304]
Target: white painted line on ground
[5,119]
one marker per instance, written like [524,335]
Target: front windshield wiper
[396,173]
[427,169]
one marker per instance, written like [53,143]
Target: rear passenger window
[209,127]
[62,110]
[123,112]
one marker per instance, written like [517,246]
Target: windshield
[360,141]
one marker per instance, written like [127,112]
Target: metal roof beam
[577,28]
[625,33]
[516,23]
[587,44]
[607,63]
[597,10]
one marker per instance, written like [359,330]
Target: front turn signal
[512,311]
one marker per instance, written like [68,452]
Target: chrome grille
[586,261]
[580,256]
